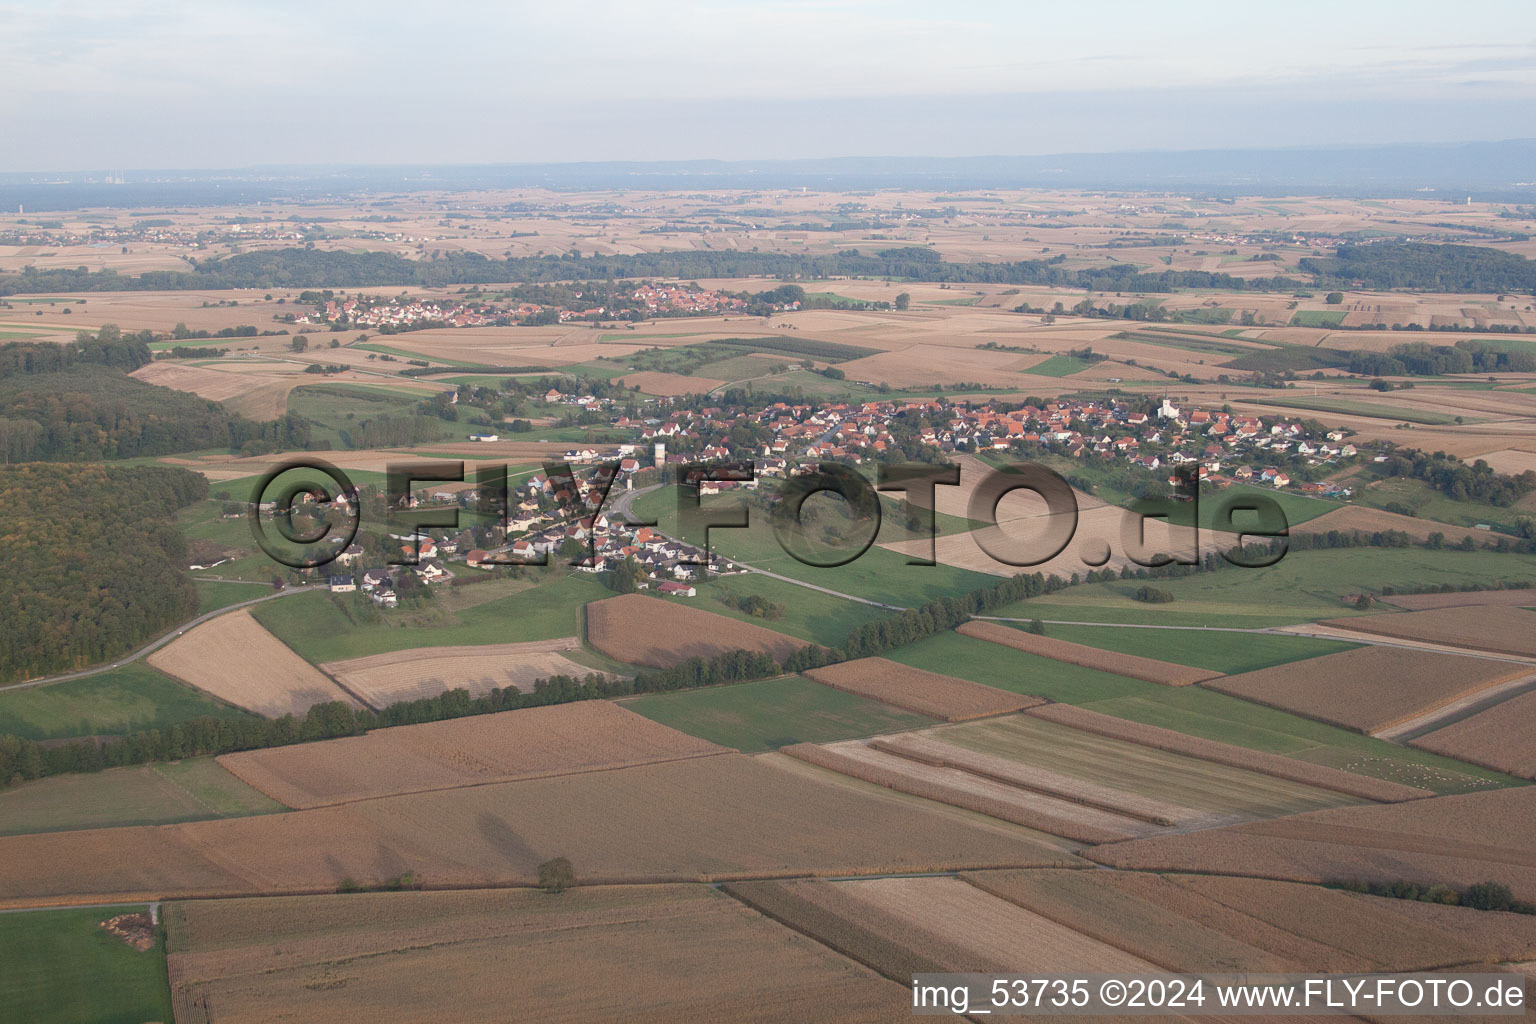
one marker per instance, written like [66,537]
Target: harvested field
[1372,688]
[1502,630]
[1478,598]
[669,385]
[530,743]
[593,953]
[1453,840]
[1210,794]
[256,392]
[1375,520]
[1162,672]
[1317,775]
[832,915]
[1214,923]
[383,679]
[705,818]
[1386,934]
[1502,737]
[959,788]
[927,693]
[993,933]
[1509,460]
[233,658]
[926,749]
[651,631]
[1147,916]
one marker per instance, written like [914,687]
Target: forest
[1384,266]
[91,562]
[76,402]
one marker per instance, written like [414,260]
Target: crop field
[979,661]
[831,915]
[902,926]
[191,790]
[62,967]
[1453,840]
[993,931]
[1320,776]
[1221,924]
[669,385]
[692,820]
[1524,598]
[933,749]
[260,395]
[1129,776]
[1503,630]
[234,659]
[661,633]
[132,698]
[1304,586]
[1370,688]
[529,743]
[323,630]
[1358,407]
[772,713]
[1374,520]
[1501,737]
[1136,667]
[383,679]
[1206,714]
[961,788]
[1219,652]
[925,693]
[589,953]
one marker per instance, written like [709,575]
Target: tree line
[1420,359]
[1385,266]
[315,268]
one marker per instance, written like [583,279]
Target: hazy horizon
[216,86]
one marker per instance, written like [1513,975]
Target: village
[579,516]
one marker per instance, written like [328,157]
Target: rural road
[154,645]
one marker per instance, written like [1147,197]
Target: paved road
[154,645]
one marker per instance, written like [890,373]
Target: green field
[773,713]
[982,661]
[211,596]
[529,608]
[1304,586]
[1428,503]
[120,700]
[401,353]
[1059,366]
[1317,318]
[876,575]
[1220,652]
[1192,710]
[336,410]
[1173,339]
[60,967]
[808,614]
[1352,407]
[161,794]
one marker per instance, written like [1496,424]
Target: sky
[211,84]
